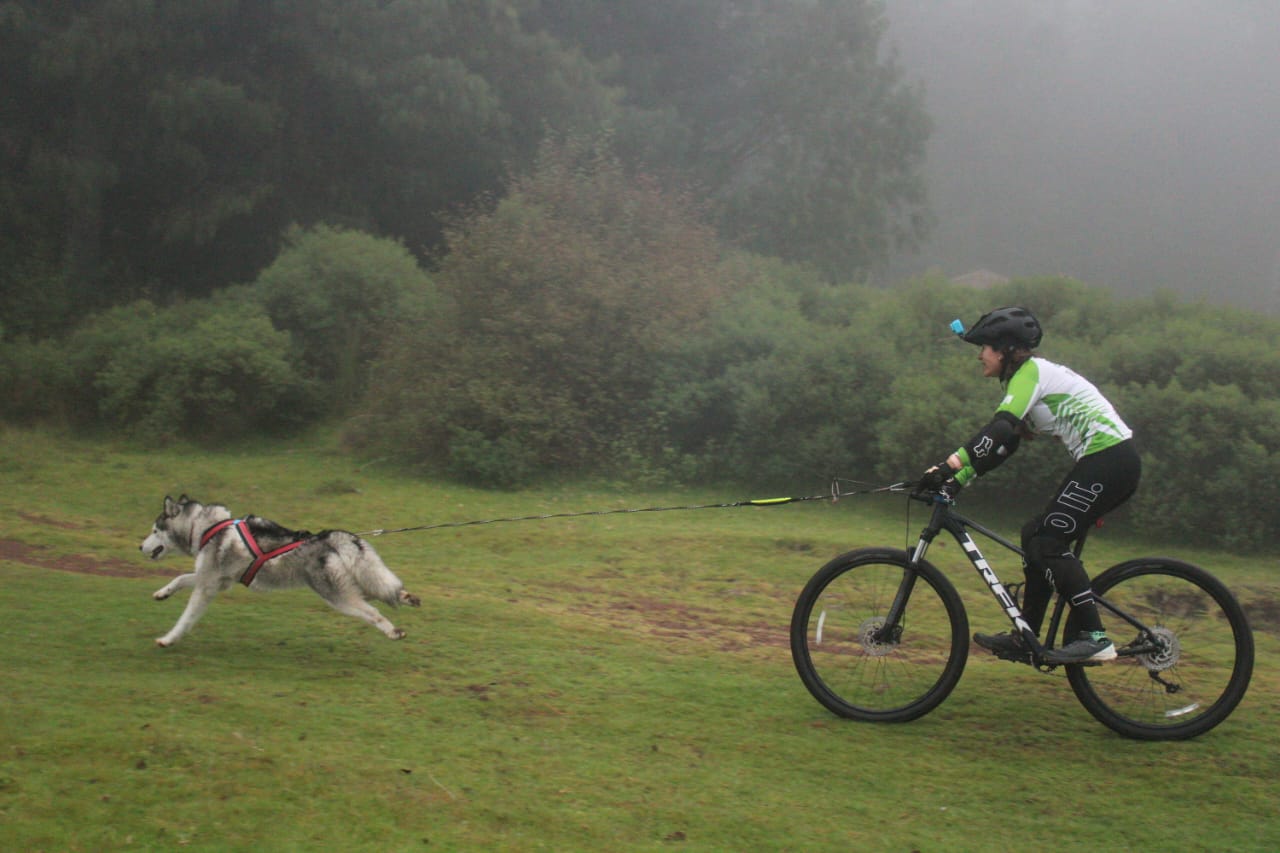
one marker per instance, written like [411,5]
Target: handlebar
[946,494]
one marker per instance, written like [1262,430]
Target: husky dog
[341,567]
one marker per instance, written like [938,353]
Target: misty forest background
[507,241]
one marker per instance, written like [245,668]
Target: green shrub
[206,371]
[36,382]
[1211,464]
[339,293]
[564,301]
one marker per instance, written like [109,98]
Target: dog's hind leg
[353,605]
[201,595]
[179,583]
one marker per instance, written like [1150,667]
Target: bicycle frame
[944,517]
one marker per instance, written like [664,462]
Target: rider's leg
[1036,594]
[1051,563]
[1038,589]
[1096,485]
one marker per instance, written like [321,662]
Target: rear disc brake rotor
[1168,655]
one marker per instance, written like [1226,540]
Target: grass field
[618,682]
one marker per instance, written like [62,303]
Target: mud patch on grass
[723,630]
[1263,610]
[44,557]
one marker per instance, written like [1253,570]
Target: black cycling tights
[1096,485]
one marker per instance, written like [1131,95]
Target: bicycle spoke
[1189,673]
[855,667]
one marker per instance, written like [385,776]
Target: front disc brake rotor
[877,647]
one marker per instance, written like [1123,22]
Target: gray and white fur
[342,568]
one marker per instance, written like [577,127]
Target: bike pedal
[1015,657]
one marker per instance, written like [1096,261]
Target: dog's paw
[161,594]
[411,600]
[163,642]
[397,634]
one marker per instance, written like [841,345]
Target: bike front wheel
[1185,672]
[858,667]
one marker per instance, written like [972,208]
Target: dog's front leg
[179,583]
[200,598]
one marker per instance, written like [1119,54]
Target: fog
[1131,143]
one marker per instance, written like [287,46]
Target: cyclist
[1043,397]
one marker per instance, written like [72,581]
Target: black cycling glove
[935,477]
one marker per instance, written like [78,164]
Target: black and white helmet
[1006,327]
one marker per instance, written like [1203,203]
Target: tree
[825,164]
[792,114]
[565,299]
[162,148]
[140,144]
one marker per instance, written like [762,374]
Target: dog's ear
[172,507]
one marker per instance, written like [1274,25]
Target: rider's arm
[997,441]
[988,448]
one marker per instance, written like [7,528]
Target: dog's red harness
[246,536]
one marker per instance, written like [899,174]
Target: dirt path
[44,557]
[41,556]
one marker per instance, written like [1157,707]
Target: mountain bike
[881,635]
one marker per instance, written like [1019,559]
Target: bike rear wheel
[858,671]
[1194,674]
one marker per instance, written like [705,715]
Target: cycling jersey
[1050,399]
